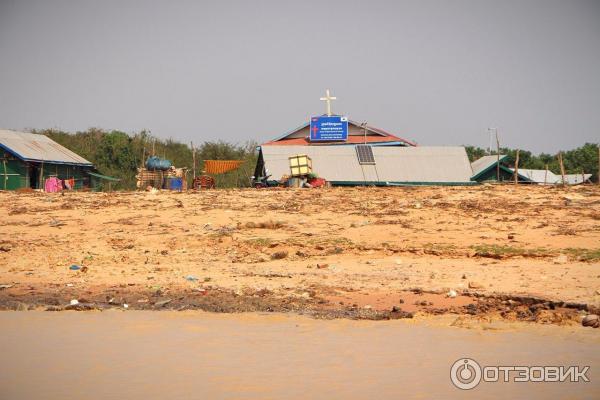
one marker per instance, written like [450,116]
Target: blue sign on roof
[328,128]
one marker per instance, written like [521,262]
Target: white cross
[328,99]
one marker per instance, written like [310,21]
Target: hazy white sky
[437,72]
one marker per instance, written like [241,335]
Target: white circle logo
[465,373]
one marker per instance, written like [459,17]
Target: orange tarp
[221,166]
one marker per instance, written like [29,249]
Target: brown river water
[195,355]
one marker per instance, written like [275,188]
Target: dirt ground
[526,253]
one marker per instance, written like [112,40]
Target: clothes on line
[53,185]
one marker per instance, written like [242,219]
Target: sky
[436,72]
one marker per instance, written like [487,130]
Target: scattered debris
[162,303]
[561,259]
[475,285]
[56,223]
[74,267]
[591,320]
[278,255]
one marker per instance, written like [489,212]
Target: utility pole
[494,131]
[497,157]
[517,168]
[562,167]
[193,159]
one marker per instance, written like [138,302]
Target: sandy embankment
[527,253]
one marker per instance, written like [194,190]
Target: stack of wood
[157,178]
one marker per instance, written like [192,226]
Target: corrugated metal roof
[485,162]
[436,165]
[384,135]
[575,179]
[33,147]
[539,176]
[351,140]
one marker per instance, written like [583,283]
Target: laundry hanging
[53,185]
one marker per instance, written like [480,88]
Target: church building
[345,152]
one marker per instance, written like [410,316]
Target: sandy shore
[525,253]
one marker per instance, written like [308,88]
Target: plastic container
[155,163]
[175,184]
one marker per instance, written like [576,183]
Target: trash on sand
[191,278]
[56,223]
[5,286]
[591,320]
[162,303]
[69,285]
[451,294]
[475,285]
[74,302]
[125,306]
[279,255]
[74,267]
[561,259]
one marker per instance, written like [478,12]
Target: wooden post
[5,174]
[582,176]
[193,160]
[517,168]
[562,167]
[546,175]
[599,164]
[42,177]
[497,157]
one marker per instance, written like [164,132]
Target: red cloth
[317,182]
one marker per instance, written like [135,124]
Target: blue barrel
[175,184]
[155,163]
